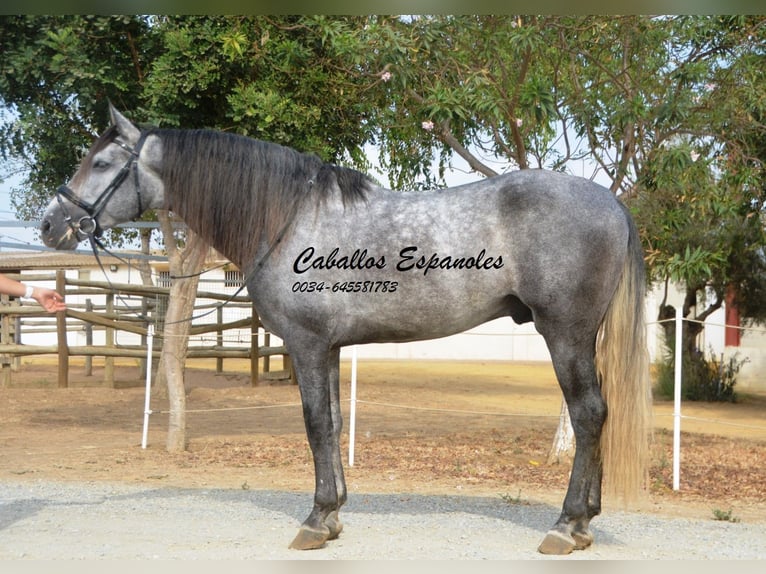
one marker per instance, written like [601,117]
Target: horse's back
[550,193]
[545,206]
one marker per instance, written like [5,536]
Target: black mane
[237,191]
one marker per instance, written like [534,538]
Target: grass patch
[724,515]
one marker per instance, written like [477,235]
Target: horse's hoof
[310,539]
[556,542]
[582,538]
[334,524]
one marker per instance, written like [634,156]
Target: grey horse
[332,259]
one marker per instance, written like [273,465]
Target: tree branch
[445,134]
[447,137]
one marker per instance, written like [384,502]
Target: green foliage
[284,79]
[462,84]
[513,500]
[56,75]
[702,379]
[724,515]
[699,197]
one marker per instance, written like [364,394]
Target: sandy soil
[421,427]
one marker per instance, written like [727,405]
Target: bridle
[87,226]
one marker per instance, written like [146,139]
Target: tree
[283,79]
[479,87]
[185,261]
[641,98]
[700,196]
[230,73]
[56,76]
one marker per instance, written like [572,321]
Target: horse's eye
[100,164]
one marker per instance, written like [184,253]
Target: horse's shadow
[20,509]
[535,516]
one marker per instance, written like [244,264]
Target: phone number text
[345,287]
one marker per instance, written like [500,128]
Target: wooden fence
[128,308]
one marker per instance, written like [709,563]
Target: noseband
[88,225]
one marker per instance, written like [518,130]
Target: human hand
[48,299]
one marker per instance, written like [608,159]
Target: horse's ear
[125,128]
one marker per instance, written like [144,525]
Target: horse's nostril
[45,227]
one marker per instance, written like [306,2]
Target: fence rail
[138,306]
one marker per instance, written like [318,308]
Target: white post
[352,410]
[677,402]
[149,353]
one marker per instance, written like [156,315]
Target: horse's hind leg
[317,374]
[576,373]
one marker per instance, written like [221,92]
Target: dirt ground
[481,428]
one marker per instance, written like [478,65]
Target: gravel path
[49,520]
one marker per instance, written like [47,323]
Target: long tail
[623,365]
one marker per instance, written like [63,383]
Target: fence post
[148,386]
[267,357]
[109,342]
[255,350]
[16,361]
[352,411]
[219,339]
[63,346]
[5,337]
[88,338]
[677,400]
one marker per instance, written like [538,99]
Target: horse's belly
[428,314]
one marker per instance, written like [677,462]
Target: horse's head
[114,183]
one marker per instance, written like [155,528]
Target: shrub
[702,379]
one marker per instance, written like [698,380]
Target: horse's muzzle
[56,232]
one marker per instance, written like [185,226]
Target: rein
[257,267]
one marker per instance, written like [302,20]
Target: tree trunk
[563,447]
[694,321]
[173,356]
[184,264]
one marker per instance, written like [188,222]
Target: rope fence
[452,411]
[719,422]
[447,411]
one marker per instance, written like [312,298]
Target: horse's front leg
[332,521]
[318,380]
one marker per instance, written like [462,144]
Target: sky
[12,234]
[7,213]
